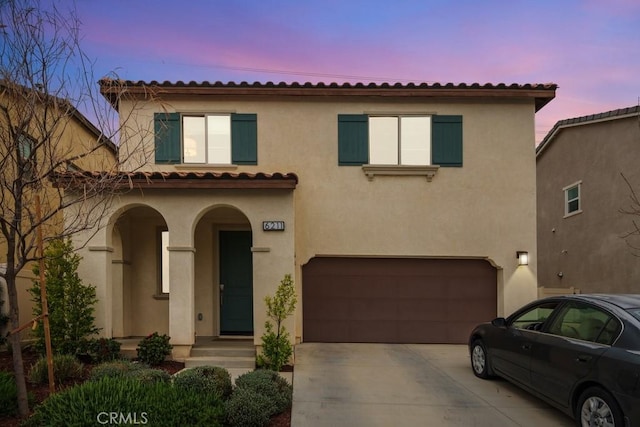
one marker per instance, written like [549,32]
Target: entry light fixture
[523,257]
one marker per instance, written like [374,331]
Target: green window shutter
[244,139]
[167,137]
[446,140]
[353,139]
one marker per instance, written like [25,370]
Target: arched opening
[139,304]
[223,273]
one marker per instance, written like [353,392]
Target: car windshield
[635,312]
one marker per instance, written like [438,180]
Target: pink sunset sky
[590,48]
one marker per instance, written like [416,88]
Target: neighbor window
[572,201]
[164,262]
[206,139]
[401,140]
[416,140]
[25,149]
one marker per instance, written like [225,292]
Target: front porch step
[242,362]
[248,351]
[227,353]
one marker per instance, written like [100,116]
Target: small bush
[115,369]
[147,403]
[150,375]
[8,395]
[247,408]
[65,367]
[154,348]
[103,349]
[205,379]
[271,385]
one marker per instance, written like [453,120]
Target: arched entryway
[223,273]
[140,306]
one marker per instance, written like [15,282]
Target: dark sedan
[580,353]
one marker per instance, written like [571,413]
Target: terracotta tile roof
[181,180]
[591,118]
[541,92]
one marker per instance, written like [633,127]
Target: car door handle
[526,346]
[583,358]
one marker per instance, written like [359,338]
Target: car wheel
[480,360]
[596,407]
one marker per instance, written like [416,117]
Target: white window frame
[216,151]
[567,201]
[379,142]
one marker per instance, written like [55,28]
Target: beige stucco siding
[484,209]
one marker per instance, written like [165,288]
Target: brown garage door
[396,300]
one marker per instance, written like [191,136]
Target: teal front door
[236,283]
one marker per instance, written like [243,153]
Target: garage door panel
[396,300]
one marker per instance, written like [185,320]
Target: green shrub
[246,408]
[115,369]
[150,375]
[147,403]
[8,395]
[103,349]
[65,367]
[154,348]
[205,379]
[271,385]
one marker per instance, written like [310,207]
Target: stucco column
[181,300]
[97,272]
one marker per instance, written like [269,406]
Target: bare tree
[632,237]
[45,142]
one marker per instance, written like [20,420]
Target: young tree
[276,344]
[44,76]
[71,303]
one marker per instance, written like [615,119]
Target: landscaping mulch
[41,392]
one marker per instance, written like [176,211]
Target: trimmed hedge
[205,379]
[270,384]
[133,401]
[65,367]
[117,368]
[247,408]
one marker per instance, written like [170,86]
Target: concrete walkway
[405,385]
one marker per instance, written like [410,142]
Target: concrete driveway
[405,385]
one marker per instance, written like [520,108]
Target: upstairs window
[572,199]
[399,140]
[207,139]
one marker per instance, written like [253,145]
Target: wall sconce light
[523,257]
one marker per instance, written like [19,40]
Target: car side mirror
[499,322]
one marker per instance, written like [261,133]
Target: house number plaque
[273,225]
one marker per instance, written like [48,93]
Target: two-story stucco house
[398,210]
[583,166]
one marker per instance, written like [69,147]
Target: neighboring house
[398,210]
[581,169]
[72,137]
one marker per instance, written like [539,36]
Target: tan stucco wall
[588,248]
[484,209]
[127,305]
